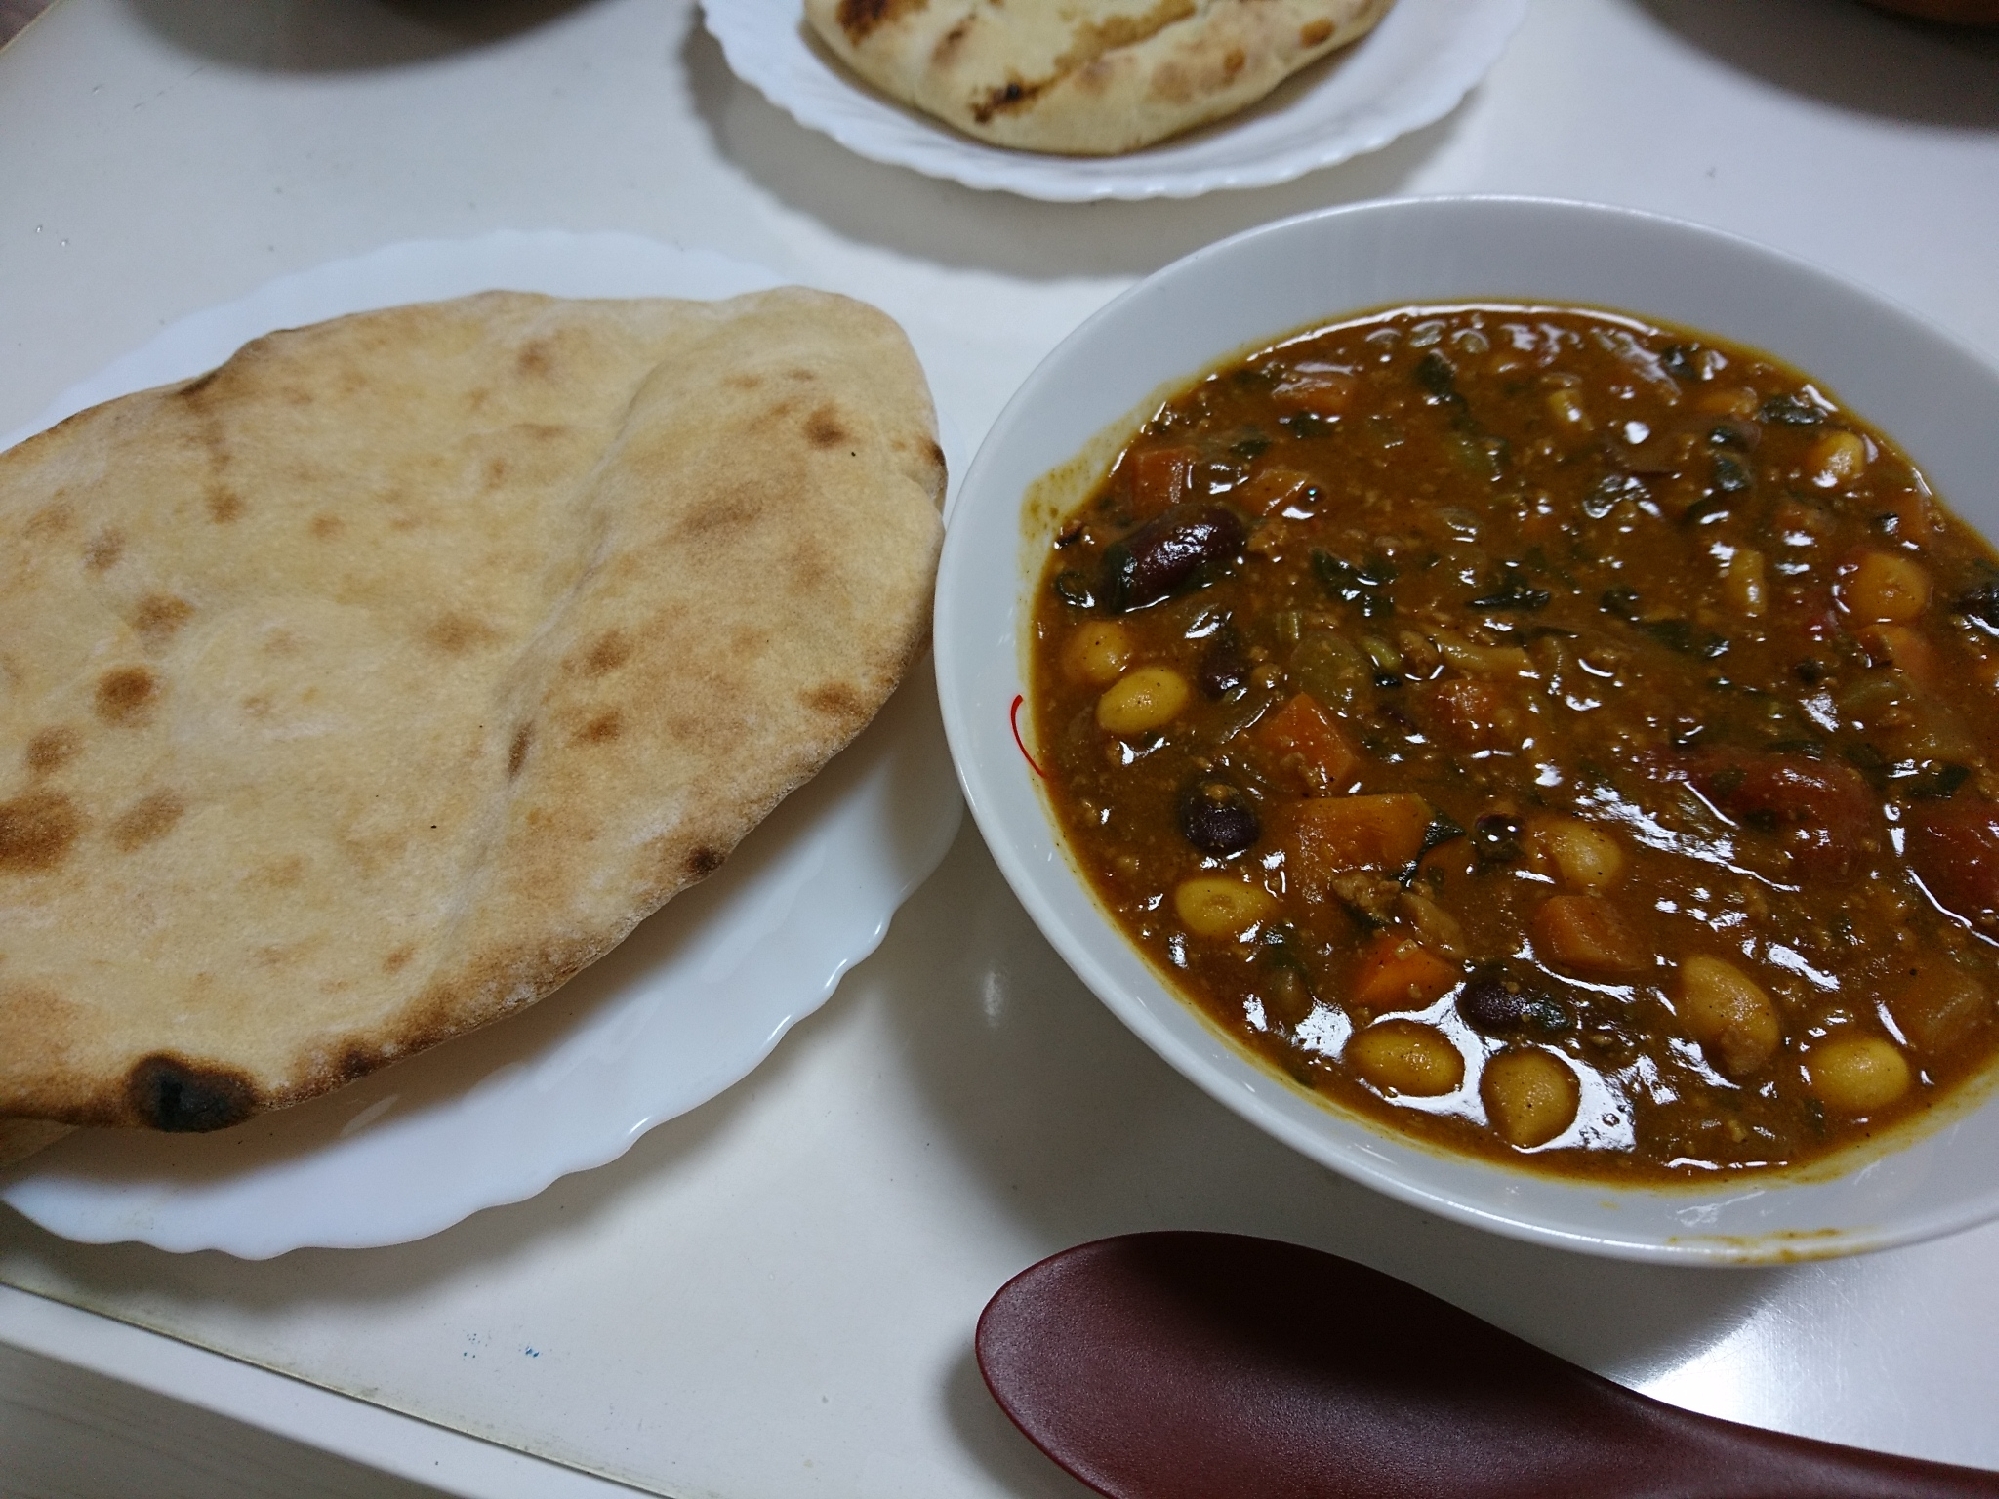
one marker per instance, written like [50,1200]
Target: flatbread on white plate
[1084,77]
[363,690]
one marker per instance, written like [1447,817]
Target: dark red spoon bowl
[1210,1366]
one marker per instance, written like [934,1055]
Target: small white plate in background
[1410,71]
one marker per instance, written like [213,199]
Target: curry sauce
[1563,737]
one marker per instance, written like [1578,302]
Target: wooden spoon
[1210,1366]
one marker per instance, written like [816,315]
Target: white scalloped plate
[689,1004]
[1410,71]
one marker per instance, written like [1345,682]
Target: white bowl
[1938,400]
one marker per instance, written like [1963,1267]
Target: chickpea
[1886,587]
[1902,648]
[1530,1096]
[1215,906]
[1730,400]
[1566,406]
[1837,459]
[1747,580]
[1588,858]
[1403,1056]
[1098,653]
[1142,700]
[1729,1014]
[1857,1074]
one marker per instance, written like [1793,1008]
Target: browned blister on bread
[364,690]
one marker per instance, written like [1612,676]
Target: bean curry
[1562,737]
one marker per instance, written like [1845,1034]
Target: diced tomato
[1324,836]
[1953,847]
[1939,1006]
[1399,973]
[1584,934]
[1823,808]
[1160,478]
[1474,715]
[1306,747]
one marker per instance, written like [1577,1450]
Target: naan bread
[364,690]
[1083,77]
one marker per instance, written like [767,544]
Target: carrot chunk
[1325,836]
[1398,973]
[1307,746]
[1160,478]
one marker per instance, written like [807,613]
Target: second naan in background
[1080,78]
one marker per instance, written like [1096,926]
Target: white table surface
[774,1295]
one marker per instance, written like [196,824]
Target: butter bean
[1857,1074]
[1886,587]
[1729,1014]
[1405,1056]
[1142,700]
[1530,1097]
[1837,459]
[1215,906]
[1098,653]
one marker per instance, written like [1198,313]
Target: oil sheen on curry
[1564,738]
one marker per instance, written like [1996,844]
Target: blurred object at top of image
[1956,12]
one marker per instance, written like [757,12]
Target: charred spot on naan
[172,1093]
[602,728]
[125,695]
[37,832]
[104,549]
[859,17]
[1015,93]
[51,749]
[147,820]
[517,749]
[50,521]
[823,429]
[159,616]
[608,652]
[455,634]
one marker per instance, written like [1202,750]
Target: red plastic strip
[1013,716]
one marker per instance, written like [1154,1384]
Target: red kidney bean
[1822,809]
[1954,848]
[1169,553]
[1223,667]
[1497,1004]
[1217,817]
